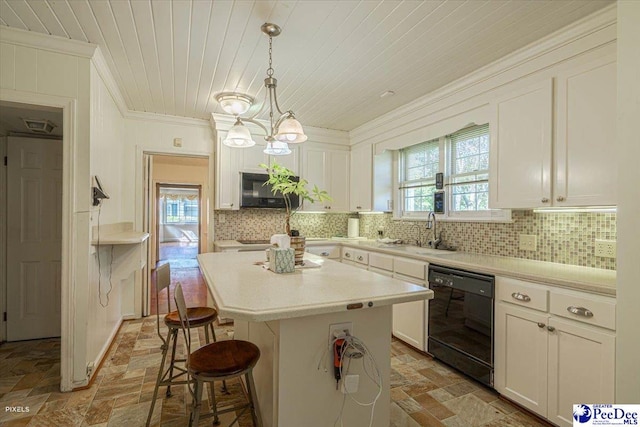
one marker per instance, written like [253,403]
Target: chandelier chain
[270,69]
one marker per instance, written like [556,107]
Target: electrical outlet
[177,142]
[222,218]
[350,384]
[338,329]
[528,242]
[606,248]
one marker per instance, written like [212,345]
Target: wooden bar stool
[198,317]
[218,361]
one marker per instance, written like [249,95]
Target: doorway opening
[31,221]
[178,224]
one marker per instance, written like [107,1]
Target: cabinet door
[290,161]
[338,180]
[585,144]
[520,152]
[227,176]
[409,318]
[361,179]
[521,341]
[314,171]
[252,157]
[581,368]
[383,182]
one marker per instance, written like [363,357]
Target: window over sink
[463,158]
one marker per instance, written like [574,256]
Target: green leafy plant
[281,180]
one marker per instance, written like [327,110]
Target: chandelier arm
[275,101]
[262,107]
[255,122]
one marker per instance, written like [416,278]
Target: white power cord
[355,348]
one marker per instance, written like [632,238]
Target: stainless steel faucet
[431,225]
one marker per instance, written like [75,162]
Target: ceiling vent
[41,126]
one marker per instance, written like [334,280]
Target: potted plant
[281,180]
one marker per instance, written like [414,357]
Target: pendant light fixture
[283,129]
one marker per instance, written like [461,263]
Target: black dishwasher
[461,321]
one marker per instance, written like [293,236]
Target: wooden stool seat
[198,316]
[223,358]
[218,361]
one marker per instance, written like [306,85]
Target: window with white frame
[469,170]
[419,165]
[463,157]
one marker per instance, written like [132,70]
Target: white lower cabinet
[547,359]
[410,318]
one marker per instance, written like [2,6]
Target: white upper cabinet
[361,178]
[329,170]
[533,166]
[520,153]
[227,175]
[231,161]
[585,143]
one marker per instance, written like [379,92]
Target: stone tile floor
[424,392]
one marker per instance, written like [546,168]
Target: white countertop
[594,280]
[122,238]
[245,291]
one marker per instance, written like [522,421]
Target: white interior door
[34,238]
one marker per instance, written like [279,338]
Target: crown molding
[48,42]
[100,62]
[165,118]
[595,22]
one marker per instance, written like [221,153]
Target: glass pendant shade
[290,131]
[239,137]
[234,103]
[277,148]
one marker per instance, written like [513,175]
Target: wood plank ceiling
[333,59]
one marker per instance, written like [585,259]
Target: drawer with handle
[593,309]
[522,293]
[355,255]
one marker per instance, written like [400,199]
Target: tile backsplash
[263,223]
[566,238]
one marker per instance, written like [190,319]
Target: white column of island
[288,317]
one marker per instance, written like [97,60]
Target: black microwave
[254,193]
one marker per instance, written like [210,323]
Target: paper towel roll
[282,240]
[353,229]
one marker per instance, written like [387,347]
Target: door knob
[541,325]
[560,199]
[550,328]
[544,200]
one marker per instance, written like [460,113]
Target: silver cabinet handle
[544,200]
[580,311]
[560,198]
[520,297]
[347,255]
[550,328]
[324,254]
[541,325]
[360,258]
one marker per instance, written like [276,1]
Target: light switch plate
[528,242]
[606,248]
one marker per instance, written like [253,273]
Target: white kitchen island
[288,317]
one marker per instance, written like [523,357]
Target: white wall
[104,312]
[628,292]
[154,134]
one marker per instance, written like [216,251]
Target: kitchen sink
[427,251]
